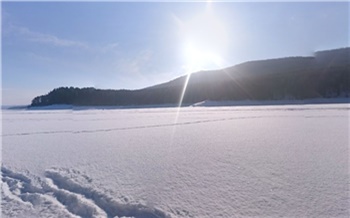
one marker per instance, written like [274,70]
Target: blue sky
[133,45]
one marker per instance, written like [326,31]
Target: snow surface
[248,161]
[208,103]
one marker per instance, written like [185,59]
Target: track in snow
[65,192]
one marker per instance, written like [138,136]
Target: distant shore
[207,103]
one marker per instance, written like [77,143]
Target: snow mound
[62,192]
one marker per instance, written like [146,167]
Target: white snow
[209,103]
[243,161]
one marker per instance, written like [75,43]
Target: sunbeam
[205,40]
[183,92]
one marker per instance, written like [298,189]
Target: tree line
[325,75]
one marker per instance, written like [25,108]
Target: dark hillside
[326,75]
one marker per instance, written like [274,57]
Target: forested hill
[325,75]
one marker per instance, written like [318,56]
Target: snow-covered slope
[255,161]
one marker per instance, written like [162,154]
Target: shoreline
[206,103]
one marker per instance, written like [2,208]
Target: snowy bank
[209,103]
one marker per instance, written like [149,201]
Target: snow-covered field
[252,161]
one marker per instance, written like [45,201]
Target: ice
[242,161]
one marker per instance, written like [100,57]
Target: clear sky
[133,45]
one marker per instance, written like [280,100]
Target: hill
[324,75]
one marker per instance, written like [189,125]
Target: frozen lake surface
[252,161]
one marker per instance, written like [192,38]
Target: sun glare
[205,40]
[199,58]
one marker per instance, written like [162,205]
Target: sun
[204,41]
[198,58]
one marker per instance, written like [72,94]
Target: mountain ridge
[324,75]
